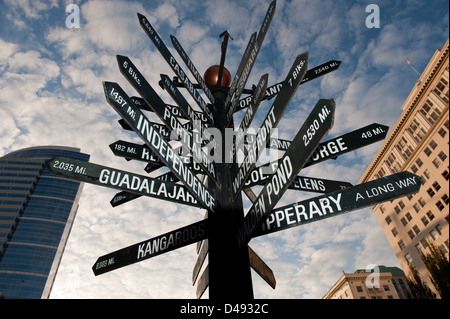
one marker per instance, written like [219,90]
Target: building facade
[419,143]
[36,215]
[379,282]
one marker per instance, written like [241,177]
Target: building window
[408,216]
[359,289]
[445,174]
[442,156]
[419,248]
[440,206]
[424,243]
[416,229]
[419,162]
[388,220]
[397,209]
[424,221]
[442,132]
[430,192]
[434,234]
[394,231]
[427,151]
[411,234]
[445,199]
[416,207]
[436,163]
[401,244]
[422,202]
[382,209]
[401,204]
[430,215]
[427,174]
[436,186]
[439,229]
[414,169]
[403,220]
[432,144]
[408,258]
[386,287]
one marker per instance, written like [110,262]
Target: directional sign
[145,154]
[363,195]
[326,150]
[118,179]
[203,283]
[192,68]
[248,117]
[156,39]
[313,130]
[188,111]
[124,196]
[174,110]
[200,260]
[348,142]
[261,268]
[234,99]
[311,74]
[152,247]
[240,69]
[162,129]
[141,125]
[259,176]
[272,119]
[141,85]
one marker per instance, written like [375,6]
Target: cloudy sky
[51,94]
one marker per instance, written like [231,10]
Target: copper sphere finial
[212,76]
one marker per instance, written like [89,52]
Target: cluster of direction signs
[184,183]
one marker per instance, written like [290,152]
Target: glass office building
[37,210]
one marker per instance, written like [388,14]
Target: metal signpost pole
[229,268]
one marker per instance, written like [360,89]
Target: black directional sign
[248,117]
[238,74]
[118,179]
[192,68]
[152,247]
[196,123]
[261,175]
[348,142]
[311,74]
[234,99]
[156,39]
[141,85]
[326,150]
[339,202]
[272,119]
[313,130]
[141,125]
[124,196]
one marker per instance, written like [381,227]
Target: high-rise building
[379,282]
[36,215]
[419,143]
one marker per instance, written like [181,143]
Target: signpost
[118,179]
[293,79]
[340,202]
[151,247]
[141,85]
[233,97]
[141,125]
[311,74]
[314,129]
[153,35]
[225,231]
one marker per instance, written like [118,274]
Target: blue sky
[51,93]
